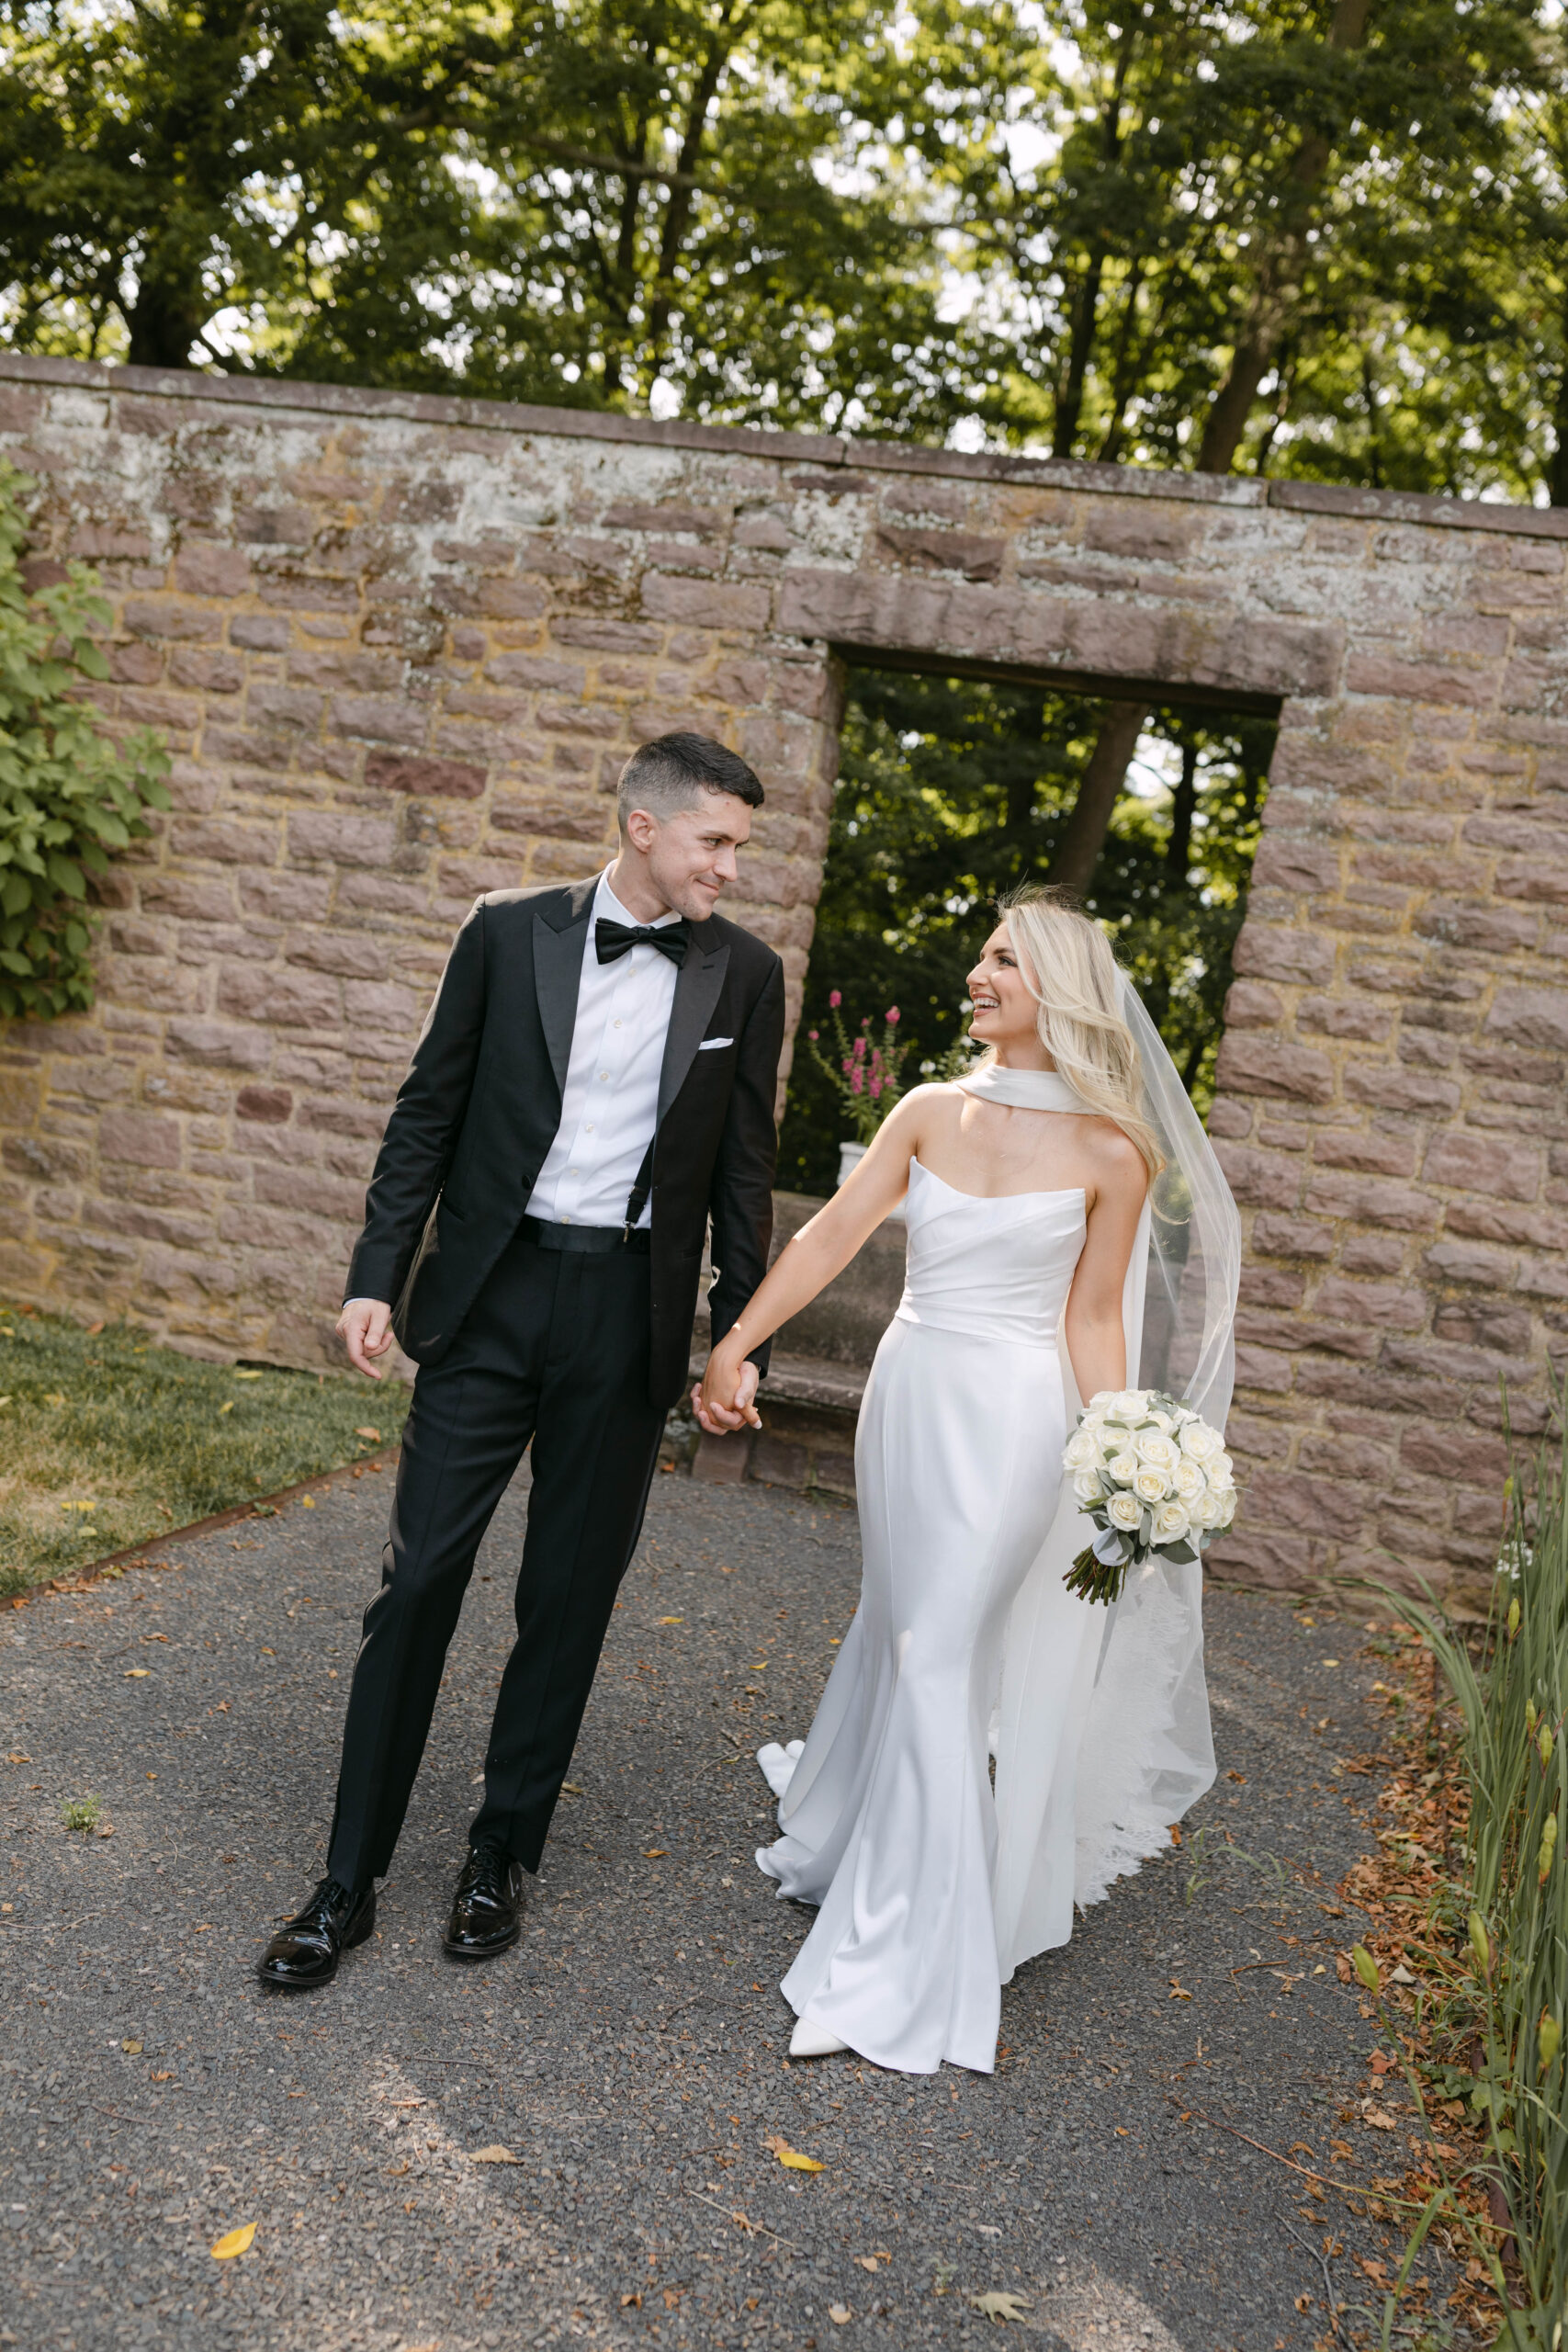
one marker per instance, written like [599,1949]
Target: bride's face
[1005,1014]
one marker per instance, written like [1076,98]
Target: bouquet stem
[1096,1579]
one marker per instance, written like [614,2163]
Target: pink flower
[892,1016]
[814,1035]
[835,1001]
[860,1050]
[857,1082]
[875,1088]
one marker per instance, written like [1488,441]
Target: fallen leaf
[227,1406]
[132,2049]
[1177,1993]
[1376,2121]
[308,1502]
[107,1830]
[866,2262]
[237,2242]
[376,1435]
[55,1399]
[631,2303]
[93,1330]
[671,1621]
[1303,2303]
[793,2161]
[1000,2304]
[654,1853]
[569,1788]
[839,2313]
[135,1674]
[160,2078]
[247,1375]
[495,2155]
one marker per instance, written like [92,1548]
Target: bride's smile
[1005,1013]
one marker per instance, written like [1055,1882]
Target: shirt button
[616,1025]
[604,1077]
[588,1130]
[571,1171]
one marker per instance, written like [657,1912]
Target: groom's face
[689,855]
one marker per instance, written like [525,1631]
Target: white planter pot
[850,1157]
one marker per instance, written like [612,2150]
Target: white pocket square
[712,1044]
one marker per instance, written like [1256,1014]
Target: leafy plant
[69,795]
[1507,1917]
[81,1815]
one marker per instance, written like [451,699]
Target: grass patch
[106,1439]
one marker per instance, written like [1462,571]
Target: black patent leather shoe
[487,1908]
[307,1949]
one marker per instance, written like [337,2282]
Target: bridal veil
[1102,1736]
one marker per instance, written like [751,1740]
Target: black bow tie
[613,940]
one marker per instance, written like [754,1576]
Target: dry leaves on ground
[494,2155]
[237,2242]
[1000,2304]
[791,2157]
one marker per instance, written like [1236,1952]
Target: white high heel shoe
[810,2040]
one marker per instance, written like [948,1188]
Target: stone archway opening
[956,782]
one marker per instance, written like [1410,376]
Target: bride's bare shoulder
[1119,1165]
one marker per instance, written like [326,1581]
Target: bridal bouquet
[1155,1480]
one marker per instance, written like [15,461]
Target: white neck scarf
[1023,1090]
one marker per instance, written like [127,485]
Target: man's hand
[365,1327]
[727,1399]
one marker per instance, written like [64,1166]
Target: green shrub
[69,795]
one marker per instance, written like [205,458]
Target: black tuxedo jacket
[481,1102]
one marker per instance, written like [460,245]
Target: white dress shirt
[610,1102]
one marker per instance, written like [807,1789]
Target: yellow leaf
[866,2262]
[136,1674]
[496,2155]
[671,1621]
[309,1501]
[247,1375]
[839,2313]
[375,1434]
[793,2161]
[654,1853]
[226,1407]
[55,1399]
[132,2049]
[999,2305]
[237,2242]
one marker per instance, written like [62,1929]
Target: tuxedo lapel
[558,936]
[696,993]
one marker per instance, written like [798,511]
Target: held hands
[365,1327]
[727,1399]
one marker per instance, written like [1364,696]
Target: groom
[594,1081]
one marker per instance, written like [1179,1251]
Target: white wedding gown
[931,1886]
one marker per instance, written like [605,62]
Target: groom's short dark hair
[673,771]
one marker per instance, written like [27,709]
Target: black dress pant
[555,1352]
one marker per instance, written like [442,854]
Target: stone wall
[400,647]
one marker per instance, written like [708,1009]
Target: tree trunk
[165,322]
[1183,807]
[1077,853]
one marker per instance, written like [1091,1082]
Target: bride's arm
[806,1264]
[1091,1322]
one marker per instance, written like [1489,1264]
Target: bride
[1066,1218]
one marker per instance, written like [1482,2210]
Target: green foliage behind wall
[953,789]
[69,795]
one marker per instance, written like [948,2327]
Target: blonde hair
[1069,970]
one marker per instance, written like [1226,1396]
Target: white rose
[1086,1486]
[1081,1451]
[1222,1471]
[1126,1512]
[1151,1485]
[1124,1468]
[1171,1523]
[1224,1500]
[1187,1479]
[1154,1448]
[1162,1422]
[1103,1400]
[1200,1441]
[1127,1405]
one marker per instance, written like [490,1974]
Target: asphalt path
[630,2053]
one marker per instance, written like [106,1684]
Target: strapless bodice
[992,1269]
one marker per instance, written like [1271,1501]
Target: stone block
[722,1461]
[1285,861]
[444,779]
[1290,1237]
[382,718]
[1271,1066]
[972,556]
[1387,1307]
[269,1105]
[226,841]
[1537,1017]
[1386,1088]
[1274,952]
[701,604]
[1314,1507]
[161,617]
[1341,1017]
[1479,924]
[203,569]
[258,633]
[1372,1151]
[1496,1164]
[289,999]
[325,837]
[218,1044]
[1372,1200]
